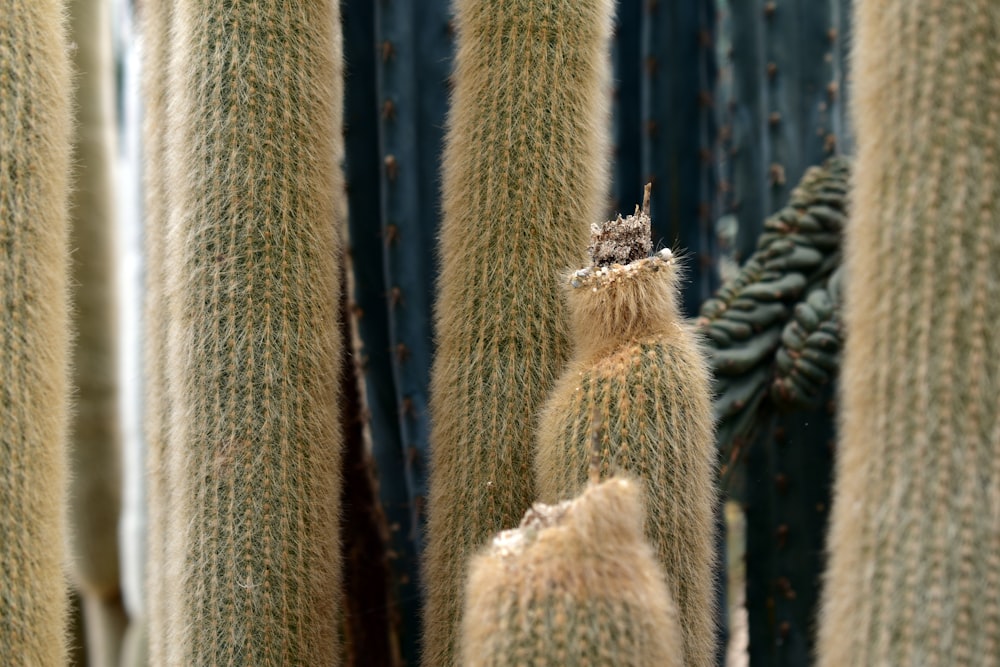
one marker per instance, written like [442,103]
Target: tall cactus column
[35,132]
[155,17]
[254,345]
[523,179]
[95,445]
[914,576]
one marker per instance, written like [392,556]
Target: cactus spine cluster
[253,350]
[95,439]
[914,574]
[35,135]
[523,178]
[638,385]
[576,584]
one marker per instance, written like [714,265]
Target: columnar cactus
[35,135]
[254,346]
[155,19]
[523,178]
[914,575]
[677,62]
[638,384]
[95,439]
[576,584]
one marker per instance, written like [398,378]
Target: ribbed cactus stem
[95,438]
[35,135]
[254,345]
[576,584]
[637,390]
[524,176]
[914,575]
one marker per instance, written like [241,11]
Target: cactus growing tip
[622,240]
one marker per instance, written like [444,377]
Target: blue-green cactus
[365,174]
[414,62]
[677,98]
[627,136]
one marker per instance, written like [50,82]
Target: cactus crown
[625,294]
[588,520]
[621,241]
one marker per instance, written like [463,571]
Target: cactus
[155,24]
[370,315]
[627,137]
[370,616]
[576,584]
[751,316]
[415,46]
[914,575]
[639,383]
[677,99]
[95,439]
[415,57]
[35,135]
[774,341]
[785,110]
[523,179]
[254,346]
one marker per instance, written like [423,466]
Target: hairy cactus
[254,346]
[523,179]
[35,135]
[914,574]
[155,26]
[638,383]
[95,439]
[577,584]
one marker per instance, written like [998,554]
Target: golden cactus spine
[523,178]
[95,440]
[155,25]
[638,391]
[576,584]
[914,571]
[254,343]
[35,136]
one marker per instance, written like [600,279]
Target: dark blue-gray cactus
[678,128]
[398,61]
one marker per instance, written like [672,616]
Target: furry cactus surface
[254,344]
[95,438]
[524,176]
[35,136]
[155,24]
[914,573]
[576,584]
[637,390]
